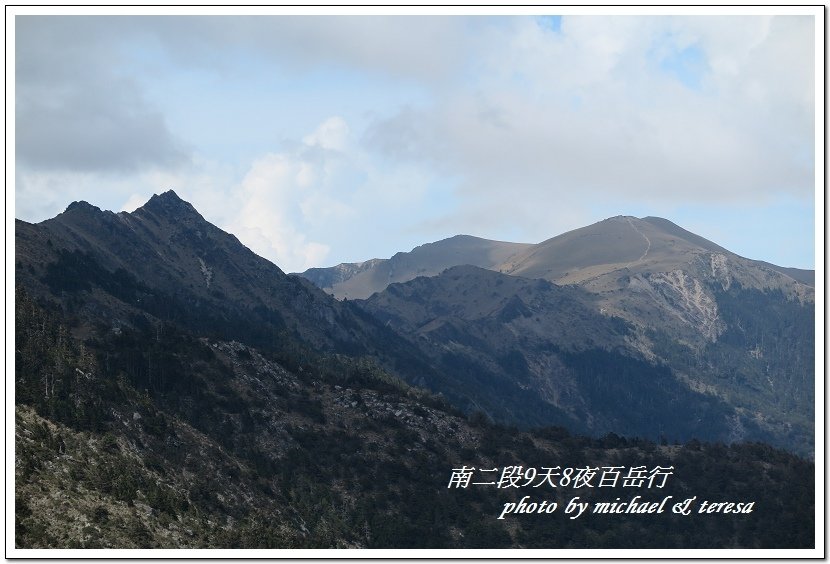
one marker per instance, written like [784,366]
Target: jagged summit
[82,206]
[169,196]
[169,203]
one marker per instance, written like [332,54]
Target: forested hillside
[156,437]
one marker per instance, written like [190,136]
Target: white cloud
[299,206]
[268,220]
[134,202]
[588,110]
[286,196]
[332,134]
[467,124]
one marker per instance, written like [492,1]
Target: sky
[322,139]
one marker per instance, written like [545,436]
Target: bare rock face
[683,297]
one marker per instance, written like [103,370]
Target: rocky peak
[82,214]
[81,207]
[170,205]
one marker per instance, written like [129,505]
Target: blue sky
[319,140]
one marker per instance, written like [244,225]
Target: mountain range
[361,280]
[688,323]
[618,244]
[188,390]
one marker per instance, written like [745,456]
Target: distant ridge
[623,244]
[361,280]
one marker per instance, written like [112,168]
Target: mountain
[163,263]
[690,323]
[158,437]
[618,244]
[361,280]
[530,352]
[500,337]
[650,271]
[173,389]
[650,244]
[733,328]
[728,338]
[620,259]
[164,259]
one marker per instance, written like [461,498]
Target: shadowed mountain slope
[165,263]
[707,327]
[172,389]
[158,438]
[494,332]
[736,330]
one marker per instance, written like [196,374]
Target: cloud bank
[416,128]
